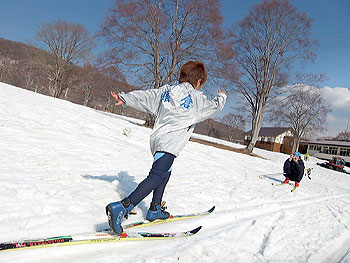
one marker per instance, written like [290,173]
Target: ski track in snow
[61,164]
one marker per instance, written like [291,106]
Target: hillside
[61,163]
[29,72]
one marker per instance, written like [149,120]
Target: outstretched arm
[143,100]
[209,108]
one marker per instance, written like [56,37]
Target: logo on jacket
[187,101]
[166,96]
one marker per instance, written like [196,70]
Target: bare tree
[86,80]
[343,136]
[311,79]
[235,124]
[150,39]
[6,66]
[28,75]
[31,71]
[304,110]
[269,40]
[69,44]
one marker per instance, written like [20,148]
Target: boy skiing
[177,109]
[293,169]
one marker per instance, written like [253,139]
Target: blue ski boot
[157,212]
[116,211]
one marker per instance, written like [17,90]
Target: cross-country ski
[94,239]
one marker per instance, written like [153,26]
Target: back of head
[192,71]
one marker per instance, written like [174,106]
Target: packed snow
[62,163]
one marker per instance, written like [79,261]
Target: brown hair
[192,71]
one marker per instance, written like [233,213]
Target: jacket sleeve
[143,100]
[207,108]
[286,167]
[299,172]
[302,166]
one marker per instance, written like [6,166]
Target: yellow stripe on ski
[171,219]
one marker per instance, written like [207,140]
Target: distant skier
[293,169]
[306,157]
[177,108]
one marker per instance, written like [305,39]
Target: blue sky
[20,19]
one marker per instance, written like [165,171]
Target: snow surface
[62,163]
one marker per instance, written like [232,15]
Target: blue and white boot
[115,212]
[157,212]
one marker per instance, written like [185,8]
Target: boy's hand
[221,91]
[119,101]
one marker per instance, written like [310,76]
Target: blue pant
[156,180]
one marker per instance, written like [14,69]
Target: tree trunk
[66,93]
[256,126]
[296,143]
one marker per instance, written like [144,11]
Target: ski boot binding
[157,211]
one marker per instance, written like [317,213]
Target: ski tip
[211,209]
[195,231]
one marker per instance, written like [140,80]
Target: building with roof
[275,139]
[327,149]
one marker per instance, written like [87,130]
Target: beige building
[275,139]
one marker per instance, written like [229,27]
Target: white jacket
[177,108]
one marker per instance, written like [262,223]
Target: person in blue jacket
[293,169]
[177,109]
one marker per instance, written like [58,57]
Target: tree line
[147,41]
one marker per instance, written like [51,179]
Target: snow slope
[61,163]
